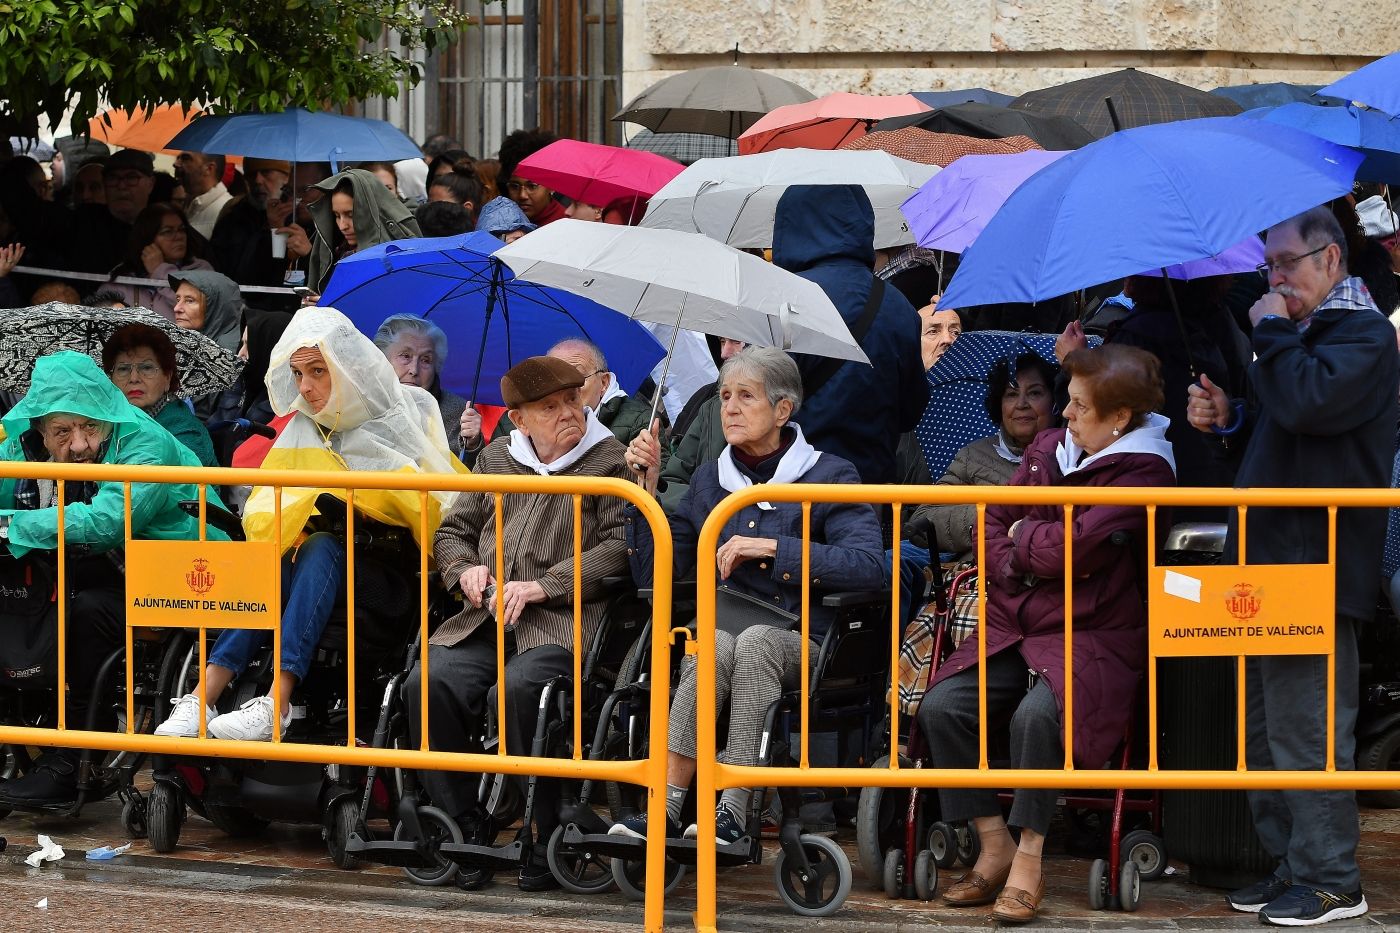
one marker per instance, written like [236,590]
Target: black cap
[130,159]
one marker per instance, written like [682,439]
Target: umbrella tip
[736,53]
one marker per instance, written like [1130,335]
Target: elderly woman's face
[313,377]
[414,359]
[1092,429]
[138,374]
[1026,407]
[189,307]
[554,424]
[751,423]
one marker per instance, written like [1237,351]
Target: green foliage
[230,56]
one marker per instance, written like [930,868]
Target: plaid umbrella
[685,148]
[939,149]
[29,333]
[724,101]
[987,121]
[1139,99]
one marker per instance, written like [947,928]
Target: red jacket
[1110,628]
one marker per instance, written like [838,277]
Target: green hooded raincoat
[379,218]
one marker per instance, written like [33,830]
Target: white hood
[1151,438]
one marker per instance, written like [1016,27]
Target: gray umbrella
[721,101]
[29,333]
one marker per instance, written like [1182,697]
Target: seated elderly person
[555,435]
[73,414]
[1113,439]
[417,349]
[349,412]
[141,362]
[760,392]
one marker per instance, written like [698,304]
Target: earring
[1115,432]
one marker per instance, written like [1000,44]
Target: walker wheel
[925,875]
[894,874]
[1098,884]
[1129,887]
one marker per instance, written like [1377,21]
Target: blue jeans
[312,579]
[912,561]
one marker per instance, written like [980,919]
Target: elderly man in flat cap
[554,436]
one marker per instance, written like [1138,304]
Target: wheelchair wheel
[579,872]
[823,892]
[880,823]
[1380,754]
[631,877]
[134,817]
[342,820]
[1147,850]
[1098,884]
[1129,887]
[943,844]
[439,828]
[892,874]
[925,875]
[165,812]
[235,821]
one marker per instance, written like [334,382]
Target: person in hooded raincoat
[356,211]
[74,414]
[349,412]
[211,303]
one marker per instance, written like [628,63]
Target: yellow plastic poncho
[370,422]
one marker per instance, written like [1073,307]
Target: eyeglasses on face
[146,370]
[1285,266]
[172,231]
[529,187]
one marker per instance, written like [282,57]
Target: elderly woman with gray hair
[760,390]
[417,349]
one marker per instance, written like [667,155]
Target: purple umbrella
[953,206]
[1377,85]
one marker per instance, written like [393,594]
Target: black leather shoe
[473,878]
[536,876]
[52,782]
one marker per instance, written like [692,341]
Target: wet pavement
[284,879]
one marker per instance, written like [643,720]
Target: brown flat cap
[532,379]
[252,166]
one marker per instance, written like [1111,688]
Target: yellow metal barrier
[649,772]
[712,776]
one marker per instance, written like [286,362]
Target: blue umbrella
[972,95]
[1145,198]
[1375,134]
[492,320]
[1274,94]
[297,135]
[1377,85]
[956,414]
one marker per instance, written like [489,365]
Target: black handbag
[28,624]
[736,611]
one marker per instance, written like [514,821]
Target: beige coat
[977,464]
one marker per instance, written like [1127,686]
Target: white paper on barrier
[1182,586]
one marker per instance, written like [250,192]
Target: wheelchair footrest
[497,858]
[627,848]
[400,853]
[739,852]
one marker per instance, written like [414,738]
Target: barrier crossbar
[713,775]
[647,772]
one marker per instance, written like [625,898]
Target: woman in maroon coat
[1114,439]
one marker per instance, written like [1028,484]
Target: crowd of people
[1288,378]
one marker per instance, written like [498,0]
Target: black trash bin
[1212,830]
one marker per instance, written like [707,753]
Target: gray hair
[396,325]
[600,362]
[774,368]
[1318,227]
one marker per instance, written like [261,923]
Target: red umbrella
[597,174]
[825,123]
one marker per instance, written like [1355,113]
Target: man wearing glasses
[100,231]
[1322,413]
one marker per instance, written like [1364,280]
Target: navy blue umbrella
[1146,198]
[297,135]
[956,414]
[492,320]
[972,95]
[1376,135]
[1274,94]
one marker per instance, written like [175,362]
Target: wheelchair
[812,874]
[241,797]
[427,843]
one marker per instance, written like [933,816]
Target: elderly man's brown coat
[539,543]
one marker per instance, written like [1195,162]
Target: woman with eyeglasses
[534,199]
[161,242]
[140,361]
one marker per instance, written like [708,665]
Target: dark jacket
[379,218]
[1110,617]
[826,234]
[241,248]
[846,552]
[1323,413]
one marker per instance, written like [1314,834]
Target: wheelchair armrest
[215,515]
[861,598]
[615,585]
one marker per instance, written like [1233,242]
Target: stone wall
[893,46]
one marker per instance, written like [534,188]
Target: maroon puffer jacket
[1110,619]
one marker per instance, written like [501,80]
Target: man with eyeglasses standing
[99,232]
[1322,413]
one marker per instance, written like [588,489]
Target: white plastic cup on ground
[279,245]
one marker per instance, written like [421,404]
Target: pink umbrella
[826,122]
[597,174]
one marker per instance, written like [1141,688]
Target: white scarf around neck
[1151,438]
[1002,446]
[524,454]
[612,391]
[798,459]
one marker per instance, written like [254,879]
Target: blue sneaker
[1302,906]
[728,829]
[635,826]
[1253,898]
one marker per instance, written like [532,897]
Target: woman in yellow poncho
[349,413]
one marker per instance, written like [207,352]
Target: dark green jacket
[177,418]
[379,218]
[703,441]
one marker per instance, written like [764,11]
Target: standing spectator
[535,200]
[457,185]
[443,218]
[503,218]
[387,175]
[161,243]
[203,177]
[938,330]
[1381,224]
[241,246]
[100,232]
[355,211]
[1323,411]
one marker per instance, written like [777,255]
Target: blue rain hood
[817,224]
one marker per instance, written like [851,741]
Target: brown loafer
[1017,906]
[974,889]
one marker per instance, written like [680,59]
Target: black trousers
[96,628]
[459,677]
[948,717]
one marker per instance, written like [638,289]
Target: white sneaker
[184,718]
[251,722]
